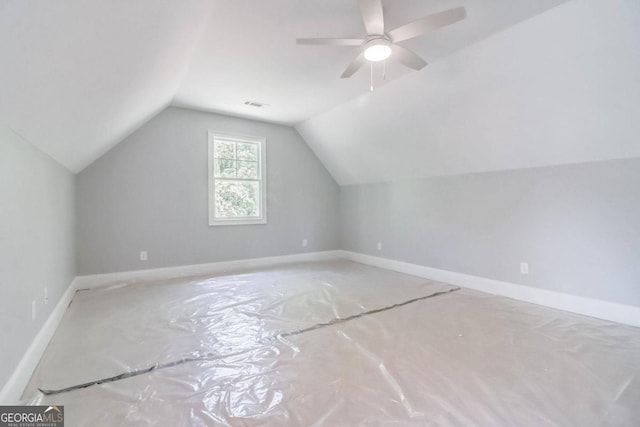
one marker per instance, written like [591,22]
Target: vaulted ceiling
[248,51]
[78,76]
[560,88]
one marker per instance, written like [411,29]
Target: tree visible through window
[236,175]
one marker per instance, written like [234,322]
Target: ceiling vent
[255,104]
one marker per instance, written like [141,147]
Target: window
[237,180]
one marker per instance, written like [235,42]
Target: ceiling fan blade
[353,66]
[372,16]
[331,42]
[427,24]
[407,57]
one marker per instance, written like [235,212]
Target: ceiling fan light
[377,51]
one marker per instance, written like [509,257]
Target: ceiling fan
[380,45]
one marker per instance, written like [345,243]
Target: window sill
[215,223]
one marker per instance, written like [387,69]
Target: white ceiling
[248,51]
[77,76]
[560,88]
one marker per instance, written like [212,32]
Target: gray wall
[577,226]
[150,193]
[36,242]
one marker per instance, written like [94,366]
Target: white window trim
[262,164]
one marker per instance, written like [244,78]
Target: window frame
[262,180]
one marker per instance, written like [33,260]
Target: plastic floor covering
[332,344]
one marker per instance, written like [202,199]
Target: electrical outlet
[379,246]
[524,268]
[46,296]
[304,243]
[143,255]
[33,310]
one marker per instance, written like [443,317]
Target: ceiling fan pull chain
[371,74]
[384,70]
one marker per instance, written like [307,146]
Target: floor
[332,344]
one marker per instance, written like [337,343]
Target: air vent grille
[255,104]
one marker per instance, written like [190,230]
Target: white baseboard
[620,313]
[99,280]
[12,390]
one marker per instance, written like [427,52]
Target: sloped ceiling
[77,76]
[248,51]
[560,88]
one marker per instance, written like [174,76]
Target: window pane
[224,168]
[247,170]
[224,149]
[247,151]
[237,199]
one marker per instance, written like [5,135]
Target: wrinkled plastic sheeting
[110,331]
[462,358]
